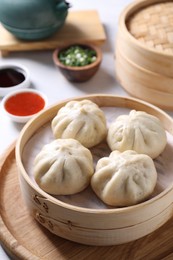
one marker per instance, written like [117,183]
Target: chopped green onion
[77,56]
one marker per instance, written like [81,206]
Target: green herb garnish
[77,56]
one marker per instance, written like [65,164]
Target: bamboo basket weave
[94,226]
[145,42]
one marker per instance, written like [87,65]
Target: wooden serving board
[80,26]
[24,238]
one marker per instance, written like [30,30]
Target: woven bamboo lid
[152,25]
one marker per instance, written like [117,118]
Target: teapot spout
[62,6]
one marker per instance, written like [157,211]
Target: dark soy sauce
[10,77]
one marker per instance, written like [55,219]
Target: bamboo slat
[146,85]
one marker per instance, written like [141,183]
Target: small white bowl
[20,108]
[12,77]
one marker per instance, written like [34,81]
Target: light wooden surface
[24,238]
[77,24]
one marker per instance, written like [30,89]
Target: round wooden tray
[25,238]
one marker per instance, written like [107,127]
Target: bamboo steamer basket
[141,83]
[145,34]
[145,42]
[94,226]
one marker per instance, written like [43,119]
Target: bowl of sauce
[13,77]
[21,105]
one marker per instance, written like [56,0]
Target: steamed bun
[138,131]
[81,120]
[63,167]
[124,179]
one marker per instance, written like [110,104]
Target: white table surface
[46,77]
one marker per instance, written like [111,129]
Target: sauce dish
[22,105]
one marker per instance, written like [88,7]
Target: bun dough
[138,131]
[124,179]
[81,120]
[63,167]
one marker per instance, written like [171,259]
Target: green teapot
[33,19]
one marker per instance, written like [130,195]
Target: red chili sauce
[24,104]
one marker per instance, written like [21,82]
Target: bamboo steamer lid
[144,51]
[95,226]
